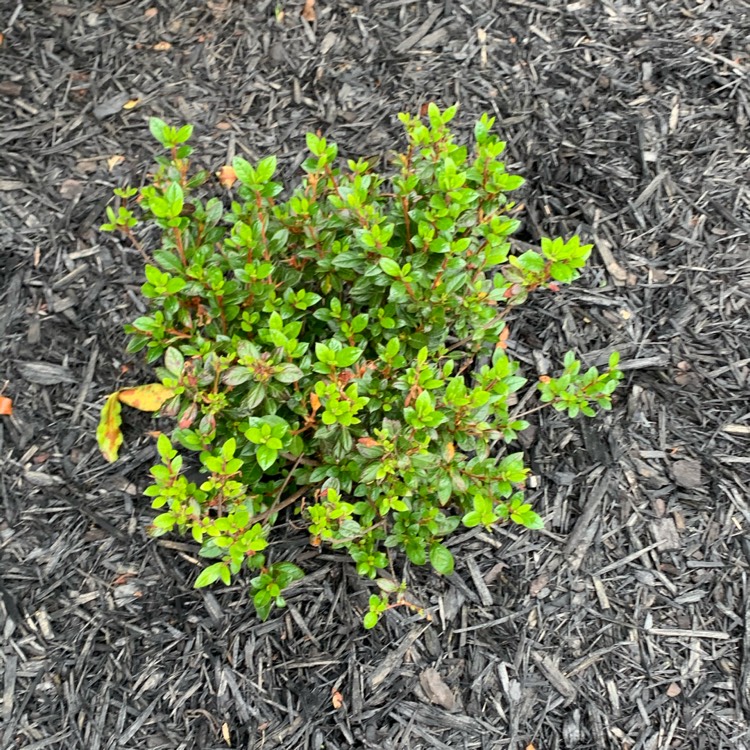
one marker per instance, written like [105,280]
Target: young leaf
[244,171]
[265,169]
[390,267]
[158,129]
[370,620]
[348,356]
[108,434]
[183,134]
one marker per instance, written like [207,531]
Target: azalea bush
[337,354]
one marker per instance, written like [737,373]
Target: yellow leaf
[149,397]
[226,734]
[162,46]
[450,452]
[108,433]
[131,104]
[314,402]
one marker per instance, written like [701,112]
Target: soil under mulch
[626,623]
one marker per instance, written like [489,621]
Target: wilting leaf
[146,397]
[108,433]
[227,176]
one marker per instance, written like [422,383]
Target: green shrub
[322,352]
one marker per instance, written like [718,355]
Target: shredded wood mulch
[626,623]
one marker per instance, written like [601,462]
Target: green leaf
[175,198]
[237,376]
[288,373]
[183,134]
[562,272]
[510,182]
[387,585]
[313,143]
[209,575]
[449,114]
[390,267]
[265,169]
[244,171]
[158,129]
[471,519]
[441,559]
[266,456]
[370,620]
[262,603]
[416,552]
[348,356]
[286,572]
[423,404]
[225,575]
[531,261]
[174,361]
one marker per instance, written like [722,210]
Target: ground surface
[621,625]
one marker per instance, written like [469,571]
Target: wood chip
[556,678]
[687,473]
[665,534]
[45,373]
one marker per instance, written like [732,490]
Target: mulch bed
[626,623]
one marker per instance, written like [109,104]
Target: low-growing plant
[341,350]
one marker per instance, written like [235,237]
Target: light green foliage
[321,349]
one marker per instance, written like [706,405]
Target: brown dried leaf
[436,690]
[71,189]
[114,160]
[538,584]
[308,12]
[227,176]
[162,46]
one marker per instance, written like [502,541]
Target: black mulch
[624,624]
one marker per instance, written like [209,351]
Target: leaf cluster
[321,352]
